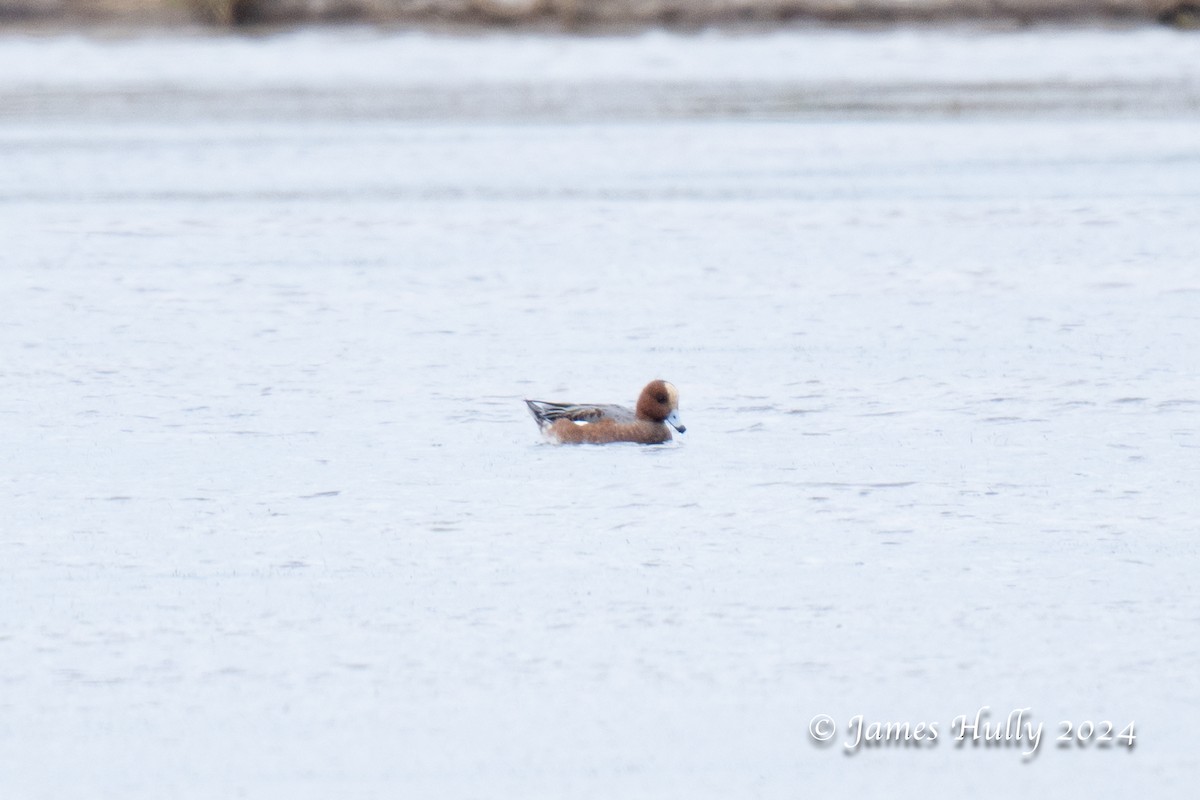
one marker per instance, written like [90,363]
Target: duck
[588,423]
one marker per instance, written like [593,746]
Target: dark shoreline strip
[591,16]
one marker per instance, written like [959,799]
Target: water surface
[277,522]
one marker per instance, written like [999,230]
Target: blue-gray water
[276,522]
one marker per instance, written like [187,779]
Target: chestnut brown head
[659,402]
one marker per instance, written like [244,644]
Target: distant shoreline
[588,16]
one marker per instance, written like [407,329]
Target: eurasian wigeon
[575,423]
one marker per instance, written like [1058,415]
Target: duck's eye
[661,397]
